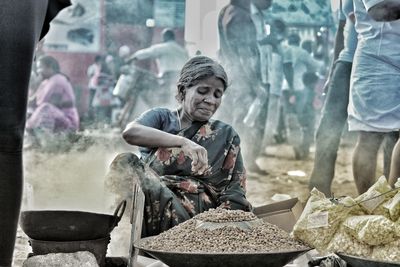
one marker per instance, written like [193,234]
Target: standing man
[374,106]
[170,58]
[22,24]
[258,8]
[334,113]
[241,58]
[270,33]
[300,123]
[273,42]
[93,74]
[120,61]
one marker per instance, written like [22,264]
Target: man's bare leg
[395,165]
[364,159]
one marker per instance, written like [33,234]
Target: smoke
[72,179]
[75,180]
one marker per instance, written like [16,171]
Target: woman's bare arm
[140,135]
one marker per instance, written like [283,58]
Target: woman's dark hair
[168,35]
[50,62]
[279,25]
[307,45]
[310,79]
[197,69]
[294,39]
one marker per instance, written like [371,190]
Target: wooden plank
[136,221]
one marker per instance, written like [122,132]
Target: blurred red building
[92,27]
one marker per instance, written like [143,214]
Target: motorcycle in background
[137,83]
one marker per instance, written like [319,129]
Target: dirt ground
[74,181]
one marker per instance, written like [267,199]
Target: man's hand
[125,69]
[131,59]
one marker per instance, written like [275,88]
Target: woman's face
[44,71]
[203,99]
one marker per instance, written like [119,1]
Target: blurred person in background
[121,60]
[308,46]
[298,99]
[334,113]
[374,105]
[275,76]
[307,114]
[101,84]
[258,8]
[22,24]
[194,162]
[110,63]
[93,73]
[55,111]
[389,11]
[240,55]
[170,57]
[102,102]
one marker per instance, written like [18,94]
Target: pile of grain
[223,215]
[187,237]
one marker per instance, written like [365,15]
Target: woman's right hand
[198,154]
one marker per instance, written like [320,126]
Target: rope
[336,200]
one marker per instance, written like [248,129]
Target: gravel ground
[74,180]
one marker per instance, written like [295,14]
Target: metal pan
[65,225]
[354,261]
[186,259]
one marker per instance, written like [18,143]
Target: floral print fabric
[183,194]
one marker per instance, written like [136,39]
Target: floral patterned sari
[181,194]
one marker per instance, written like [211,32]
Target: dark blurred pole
[22,23]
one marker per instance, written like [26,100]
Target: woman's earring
[183,96]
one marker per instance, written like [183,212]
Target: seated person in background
[54,102]
[194,162]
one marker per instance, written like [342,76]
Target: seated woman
[54,109]
[195,162]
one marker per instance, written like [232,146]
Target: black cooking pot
[65,225]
